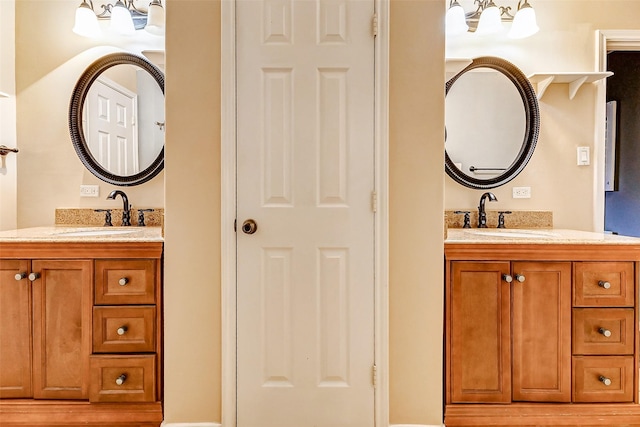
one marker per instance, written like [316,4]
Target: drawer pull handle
[507,278]
[123,330]
[123,281]
[606,381]
[520,278]
[34,276]
[121,379]
[604,284]
[20,276]
[605,332]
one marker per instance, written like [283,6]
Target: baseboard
[220,425]
[415,425]
[164,424]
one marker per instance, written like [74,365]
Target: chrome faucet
[126,207]
[482,215]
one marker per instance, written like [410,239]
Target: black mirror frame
[532,125]
[75,118]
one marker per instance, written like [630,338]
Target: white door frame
[228,214]
[606,40]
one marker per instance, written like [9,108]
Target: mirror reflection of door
[111,116]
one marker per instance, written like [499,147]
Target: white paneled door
[305,175]
[111,119]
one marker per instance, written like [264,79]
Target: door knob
[249,226]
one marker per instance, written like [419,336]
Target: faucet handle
[107,216]
[141,216]
[501,215]
[467,218]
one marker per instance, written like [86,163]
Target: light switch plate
[583,156]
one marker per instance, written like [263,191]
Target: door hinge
[374,375]
[374,24]
[374,201]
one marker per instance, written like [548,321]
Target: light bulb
[121,21]
[155,18]
[456,21]
[86,23]
[490,21]
[524,23]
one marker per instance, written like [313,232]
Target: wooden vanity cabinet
[46,311]
[534,336]
[511,340]
[80,334]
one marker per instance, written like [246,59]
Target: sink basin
[516,234]
[94,232]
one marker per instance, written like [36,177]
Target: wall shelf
[3,95]
[541,81]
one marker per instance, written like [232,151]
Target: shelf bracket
[575,85]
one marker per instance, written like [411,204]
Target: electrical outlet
[89,191]
[521,192]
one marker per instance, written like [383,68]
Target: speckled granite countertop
[82,234]
[535,236]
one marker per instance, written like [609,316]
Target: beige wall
[416,175]
[566,42]
[49,60]
[8,168]
[192,334]
[192,222]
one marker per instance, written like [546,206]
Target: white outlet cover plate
[89,191]
[521,192]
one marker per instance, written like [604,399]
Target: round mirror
[492,123]
[116,119]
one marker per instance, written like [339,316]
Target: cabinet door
[542,332]
[62,304]
[15,329]
[480,351]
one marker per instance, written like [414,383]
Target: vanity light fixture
[124,18]
[488,19]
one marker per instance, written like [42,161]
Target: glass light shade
[121,21]
[524,23]
[86,23]
[456,21]
[155,19]
[490,21]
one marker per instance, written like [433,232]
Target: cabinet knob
[122,330]
[605,332]
[34,276]
[121,379]
[606,381]
[520,278]
[123,281]
[20,276]
[507,278]
[604,284]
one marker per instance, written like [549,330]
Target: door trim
[228,212]
[606,41]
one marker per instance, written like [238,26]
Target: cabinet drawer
[125,282]
[122,379]
[603,331]
[603,284]
[603,379]
[124,329]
